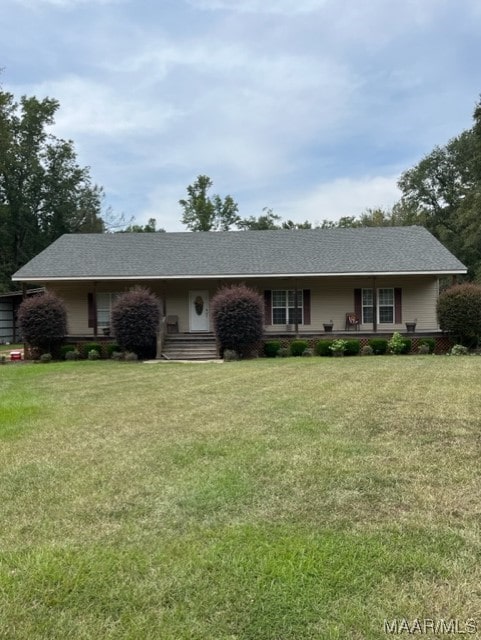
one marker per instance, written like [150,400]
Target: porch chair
[352,320]
[172,324]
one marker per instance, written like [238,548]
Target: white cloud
[66,4]
[92,107]
[286,7]
[342,197]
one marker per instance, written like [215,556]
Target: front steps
[189,346]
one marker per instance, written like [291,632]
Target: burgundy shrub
[43,321]
[238,314]
[135,321]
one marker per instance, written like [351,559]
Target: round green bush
[65,349]
[323,348]
[459,350]
[297,347]
[429,342]
[378,345]
[352,348]
[271,348]
[459,313]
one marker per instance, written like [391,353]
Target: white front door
[198,310]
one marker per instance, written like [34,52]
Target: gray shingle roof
[247,253]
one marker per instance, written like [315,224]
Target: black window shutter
[306,296]
[398,314]
[358,303]
[267,306]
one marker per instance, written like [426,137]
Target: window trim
[104,309]
[287,307]
[378,305]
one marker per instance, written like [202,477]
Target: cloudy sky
[310,107]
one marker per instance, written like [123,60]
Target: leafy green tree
[150,227]
[265,222]
[43,191]
[444,191]
[459,313]
[289,224]
[205,213]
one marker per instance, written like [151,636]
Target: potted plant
[328,326]
[411,326]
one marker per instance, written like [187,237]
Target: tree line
[45,193]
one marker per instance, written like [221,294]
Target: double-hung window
[104,308]
[284,307]
[385,301]
[385,311]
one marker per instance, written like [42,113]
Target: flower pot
[327,327]
[410,327]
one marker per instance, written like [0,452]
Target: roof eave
[239,275]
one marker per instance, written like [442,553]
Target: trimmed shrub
[72,355]
[459,313]
[459,350]
[66,348]
[283,352]
[429,342]
[367,350]
[43,321]
[352,347]
[230,355]
[399,345]
[118,355]
[423,349]
[323,348]
[308,353]
[93,354]
[131,356]
[238,314]
[338,347]
[87,347]
[297,347]
[46,357]
[135,321]
[112,348]
[378,345]
[271,348]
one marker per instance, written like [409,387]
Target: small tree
[238,314]
[43,321]
[135,321]
[459,313]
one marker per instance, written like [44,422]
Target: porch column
[95,317]
[296,306]
[374,305]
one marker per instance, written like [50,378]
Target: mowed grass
[282,499]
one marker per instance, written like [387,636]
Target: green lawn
[285,499]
